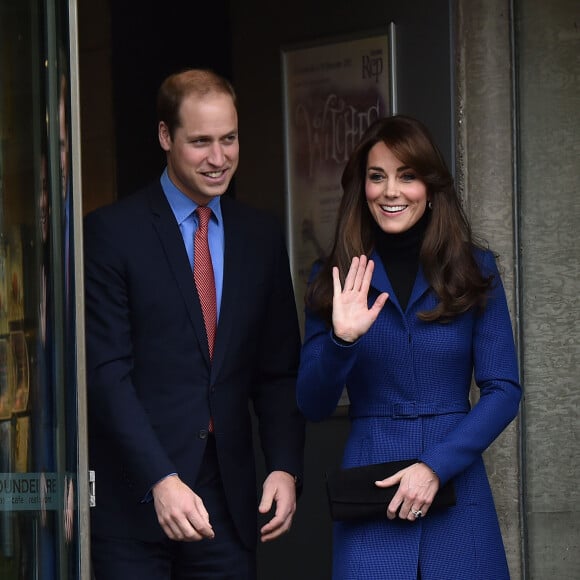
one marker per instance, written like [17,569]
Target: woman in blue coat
[406,312]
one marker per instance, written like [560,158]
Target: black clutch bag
[353,495]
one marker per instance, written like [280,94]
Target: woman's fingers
[358,276]
[351,275]
[361,273]
[378,304]
[336,281]
[351,315]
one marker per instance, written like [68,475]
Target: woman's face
[396,197]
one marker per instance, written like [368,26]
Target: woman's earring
[430,204]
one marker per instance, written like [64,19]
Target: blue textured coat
[408,383]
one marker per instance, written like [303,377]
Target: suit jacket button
[202,434]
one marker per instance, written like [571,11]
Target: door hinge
[92,501]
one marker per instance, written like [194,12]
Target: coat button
[202,434]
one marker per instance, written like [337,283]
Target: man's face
[202,155]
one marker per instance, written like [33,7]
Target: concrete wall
[548,50]
[518,121]
[486,182]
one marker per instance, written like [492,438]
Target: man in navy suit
[170,425]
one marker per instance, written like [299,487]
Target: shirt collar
[181,205]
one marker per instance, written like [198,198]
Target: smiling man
[190,316]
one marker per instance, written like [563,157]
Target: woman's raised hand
[351,316]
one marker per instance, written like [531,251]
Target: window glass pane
[38,423]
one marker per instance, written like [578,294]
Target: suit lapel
[235,256]
[172,242]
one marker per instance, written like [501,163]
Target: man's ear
[164,136]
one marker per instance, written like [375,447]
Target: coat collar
[380,282]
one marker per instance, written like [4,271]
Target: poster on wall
[333,90]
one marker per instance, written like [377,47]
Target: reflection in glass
[38,422]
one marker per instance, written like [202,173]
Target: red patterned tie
[204,280]
[203,276]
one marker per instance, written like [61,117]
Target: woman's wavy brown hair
[446,254]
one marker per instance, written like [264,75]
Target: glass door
[40,452]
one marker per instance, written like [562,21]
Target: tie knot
[204,214]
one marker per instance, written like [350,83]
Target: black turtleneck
[400,256]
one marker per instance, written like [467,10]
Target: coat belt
[407,409]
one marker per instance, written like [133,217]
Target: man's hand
[280,488]
[180,511]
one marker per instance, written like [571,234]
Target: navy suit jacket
[151,387]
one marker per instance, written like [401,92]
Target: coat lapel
[381,282]
[420,288]
[235,256]
[172,242]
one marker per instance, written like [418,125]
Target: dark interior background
[150,40]
[243,41]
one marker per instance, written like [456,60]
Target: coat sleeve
[281,425]
[324,367]
[495,372]
[116,415]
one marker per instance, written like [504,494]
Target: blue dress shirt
[184,210]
